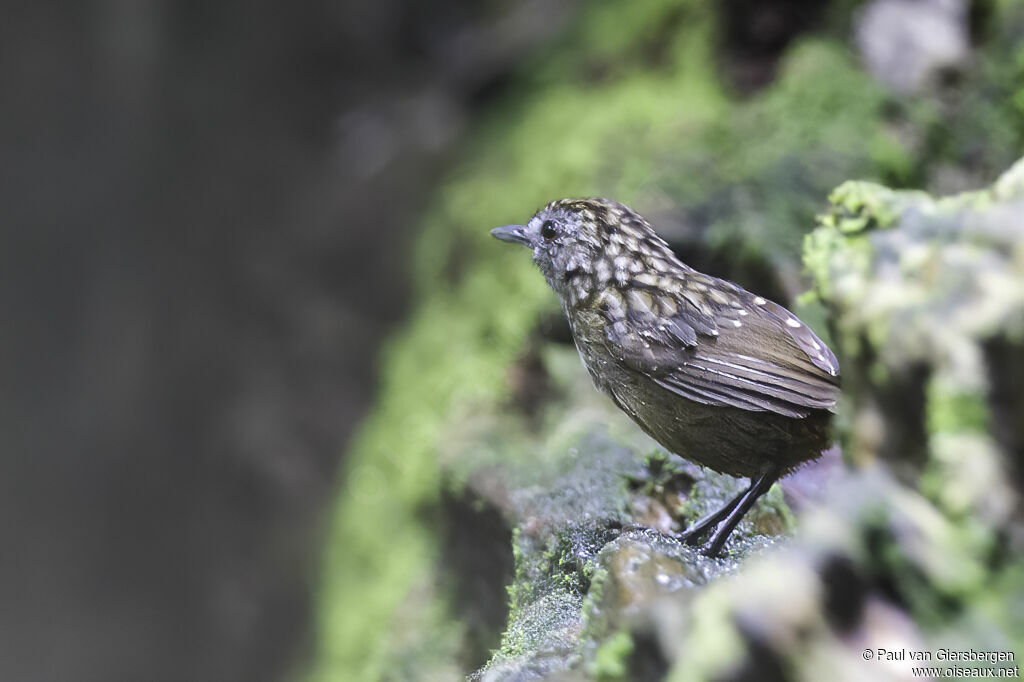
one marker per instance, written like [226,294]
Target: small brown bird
[725,378]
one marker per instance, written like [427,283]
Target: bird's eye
[548,230]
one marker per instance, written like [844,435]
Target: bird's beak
[515,234]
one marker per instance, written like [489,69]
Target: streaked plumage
[720,376]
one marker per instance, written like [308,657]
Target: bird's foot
[725,520]
[694,537]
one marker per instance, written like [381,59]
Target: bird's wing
[712,342]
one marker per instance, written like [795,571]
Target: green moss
[856,206]
[611,662]
[827,251]
[594,624]
[543,624]
[713,643]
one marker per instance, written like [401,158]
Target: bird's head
[583,245]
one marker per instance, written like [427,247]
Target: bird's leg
[692,535]
[756,490]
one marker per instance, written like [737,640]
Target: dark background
[206,212]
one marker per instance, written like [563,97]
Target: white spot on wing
[793,323]
[759,301]
[647,278]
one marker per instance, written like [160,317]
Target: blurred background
[208,211]
[215,213]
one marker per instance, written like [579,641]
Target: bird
[720,376]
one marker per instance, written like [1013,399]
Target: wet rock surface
[593,507]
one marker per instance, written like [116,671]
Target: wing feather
[732,349]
